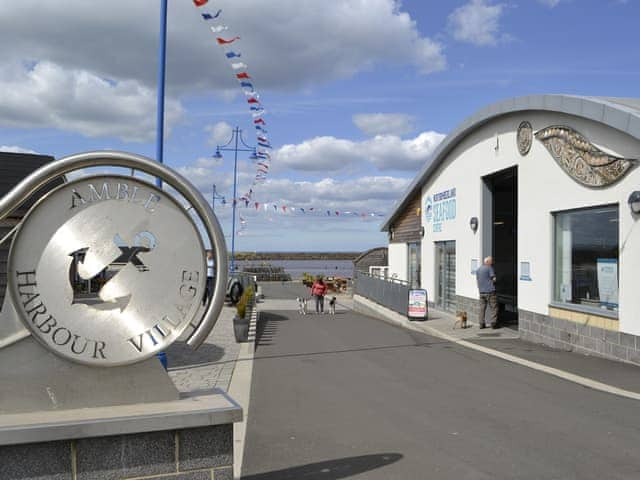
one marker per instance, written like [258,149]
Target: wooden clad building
[405,236]
[375,257]
[406,228]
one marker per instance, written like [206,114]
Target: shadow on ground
[267,328]
[331,469]
[180,355]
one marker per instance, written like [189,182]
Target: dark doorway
[503,188]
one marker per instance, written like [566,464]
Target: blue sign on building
[440,208]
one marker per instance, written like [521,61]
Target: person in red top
[319,290]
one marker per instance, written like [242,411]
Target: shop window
[586,258]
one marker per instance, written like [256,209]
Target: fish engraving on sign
[581,159]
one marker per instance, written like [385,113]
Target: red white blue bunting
[291,210]
[241,73]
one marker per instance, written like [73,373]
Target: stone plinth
[186,439]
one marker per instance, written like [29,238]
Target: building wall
[543,188]
[375,257]
[398,256]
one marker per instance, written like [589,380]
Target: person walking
[319,290]
[486,277]
[208,293]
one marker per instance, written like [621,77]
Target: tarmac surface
[349,396]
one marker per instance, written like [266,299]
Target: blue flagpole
[161,71]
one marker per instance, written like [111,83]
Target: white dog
[332,306]
[302,305]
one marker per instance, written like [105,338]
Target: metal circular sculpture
[524,137]
[137,246]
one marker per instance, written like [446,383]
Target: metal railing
[391,293]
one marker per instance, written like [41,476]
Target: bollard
[162,356]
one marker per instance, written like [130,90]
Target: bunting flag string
[291,210]
[241,72]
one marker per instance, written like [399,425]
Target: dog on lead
[332,306]
[302,305]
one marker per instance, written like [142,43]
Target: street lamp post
[236,137]
[161,75]
[216,196]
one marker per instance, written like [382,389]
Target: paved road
[347,396]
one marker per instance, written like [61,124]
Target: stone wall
[576,337]
[203,453]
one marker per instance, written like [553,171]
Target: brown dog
[461,318]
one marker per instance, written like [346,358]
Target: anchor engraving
[144,242]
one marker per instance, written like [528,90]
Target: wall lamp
[634,202]
[421,232]
[473,223]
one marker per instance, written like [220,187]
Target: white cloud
[373,192]
[290,44]
[262,229]
[45,94]
[386,152]
[318,154]
[15,149]
[477,22]
[428,56]
[384,123]
[208,162]
[220,133]
[92,70]
[549,3]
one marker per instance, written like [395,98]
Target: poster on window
[608,281]
[417,307]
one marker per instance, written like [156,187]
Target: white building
[546,185]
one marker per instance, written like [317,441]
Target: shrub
[307,279]
[244,301]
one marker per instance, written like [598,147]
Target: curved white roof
[619,113]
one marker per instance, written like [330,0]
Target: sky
[357,93]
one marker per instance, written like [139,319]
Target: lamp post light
[236,137]
[634,202]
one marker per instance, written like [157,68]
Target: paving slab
[212,365]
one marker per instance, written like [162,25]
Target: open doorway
[501,238]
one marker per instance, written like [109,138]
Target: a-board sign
[417,305]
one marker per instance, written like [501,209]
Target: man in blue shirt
[486,278]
